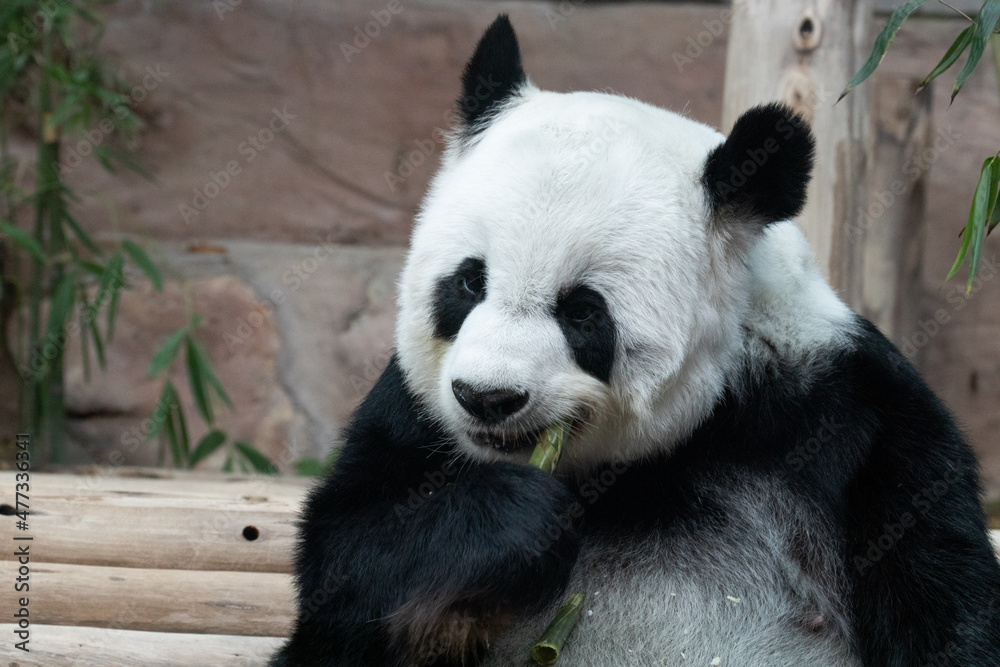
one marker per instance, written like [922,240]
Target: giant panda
[754,475]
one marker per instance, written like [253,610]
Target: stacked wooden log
[152,567]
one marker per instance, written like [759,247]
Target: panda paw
[528,535]
[519,542]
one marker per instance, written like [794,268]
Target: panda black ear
[762,169]
[492,75]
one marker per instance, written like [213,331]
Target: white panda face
[558,272]
[565,267]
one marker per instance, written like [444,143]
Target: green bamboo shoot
[549,447]
[546,651]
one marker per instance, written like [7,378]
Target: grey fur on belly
[750,594]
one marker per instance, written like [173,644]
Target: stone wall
[290,150]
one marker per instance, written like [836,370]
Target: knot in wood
[808,33]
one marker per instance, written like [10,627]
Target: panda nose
[489,406]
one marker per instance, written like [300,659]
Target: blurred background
[267,158]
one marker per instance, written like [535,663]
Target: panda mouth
[506,443]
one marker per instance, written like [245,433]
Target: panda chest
[670,599]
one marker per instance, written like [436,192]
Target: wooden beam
[58,645]
[226,603]
[801,52]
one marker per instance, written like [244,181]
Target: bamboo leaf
[951,56]
[101,153]
[111,282]
[166,352]
[182,432]
[93,268]
[882,44]
[982,28]
[173,439]
[209,373]
[23,239]
[207,446]
[196,380]
[993,210]
[61,307]
[994,220]
[84,334]
[985,205]
[98,343]
[162,410]
[141,259]
[975,229]
[126,160]
[260,463]
[309,467]
[82,234]
[964,248]
[228,465]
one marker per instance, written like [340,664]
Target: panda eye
[580,313]
[581,307]
[471,284]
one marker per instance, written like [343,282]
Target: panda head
[581,257]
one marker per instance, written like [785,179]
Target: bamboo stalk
[546,651]
[546,457]
[549,447]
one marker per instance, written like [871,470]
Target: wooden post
[803,52]
[890,232]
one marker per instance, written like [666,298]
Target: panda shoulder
[792,311]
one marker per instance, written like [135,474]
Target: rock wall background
[290,150]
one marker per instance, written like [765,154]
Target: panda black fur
[755,473]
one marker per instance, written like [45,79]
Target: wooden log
[64,646]
[264,496]
[226,603]
[187,482]
[166,526]
[803,52]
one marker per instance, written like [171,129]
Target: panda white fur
[755,476]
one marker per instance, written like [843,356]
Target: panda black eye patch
[457,294]
[582,314]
